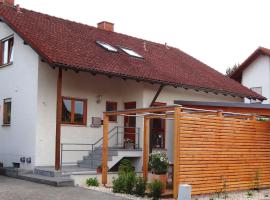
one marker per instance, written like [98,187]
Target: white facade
[32,86]
[257,75]
[19,82]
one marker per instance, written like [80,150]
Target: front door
[130,123]
[157,131]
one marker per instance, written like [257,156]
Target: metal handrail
[93,145]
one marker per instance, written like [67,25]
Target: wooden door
[157,131]
[130,123]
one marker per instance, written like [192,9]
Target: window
[7,112]
[111,106]
[107,46]
[74,111]
[258,90]
[131,52]
[7,51]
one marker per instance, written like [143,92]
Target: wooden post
[58,121]
[105,148]
[145,148]
[176,148]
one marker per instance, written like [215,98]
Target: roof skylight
[131,52]
[107,46]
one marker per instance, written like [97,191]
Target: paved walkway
[14,189]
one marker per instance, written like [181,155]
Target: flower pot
[99,170]
[162,178]
[128,145]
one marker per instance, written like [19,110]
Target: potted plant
[99,169]
[129,144]
[159,164]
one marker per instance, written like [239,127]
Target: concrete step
[53,181]
[29,176]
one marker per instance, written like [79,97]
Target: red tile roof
[73,45]
[237,74]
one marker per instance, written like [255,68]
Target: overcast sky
[220,33]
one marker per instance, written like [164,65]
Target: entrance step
[60,181]
[94,159]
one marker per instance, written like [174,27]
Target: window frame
[10,53]
[5,101]
[72,113]
[112,118]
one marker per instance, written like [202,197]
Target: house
[57,77]
[254,73]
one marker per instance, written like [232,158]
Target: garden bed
[108,190]
[263,194]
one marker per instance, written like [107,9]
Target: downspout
[157,94]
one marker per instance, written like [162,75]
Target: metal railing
[116,140]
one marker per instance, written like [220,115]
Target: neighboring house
[102,70]
[254,73]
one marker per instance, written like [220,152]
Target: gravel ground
[14,189]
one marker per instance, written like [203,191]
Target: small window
[7,112]
[74,111]
[107,46]
[111,106]
[258,90]
[7,51]
[131,52]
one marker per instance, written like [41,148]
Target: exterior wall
[84,85]
[19,82]
[258,75]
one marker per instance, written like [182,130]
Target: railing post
[117,136]
[138,134]
[92,155]
[61,155]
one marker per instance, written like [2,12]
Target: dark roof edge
[222,104]
[107,73]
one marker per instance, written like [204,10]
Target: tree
[232,69]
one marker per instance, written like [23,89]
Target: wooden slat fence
[219,153]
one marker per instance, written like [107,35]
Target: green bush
[130,181]
[155,189]
[140,187]
[119,184]
[125,166]
[92,182]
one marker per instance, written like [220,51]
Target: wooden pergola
[165,112]
[168,112]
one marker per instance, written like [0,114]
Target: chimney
[8,2]
[107,26]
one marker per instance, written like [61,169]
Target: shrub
[140,187]
[158,162]
[125,166]
[130,181]
[155,189]
[92,182]
[119,184]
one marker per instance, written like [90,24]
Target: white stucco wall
[257,74]
[19,82]
[84,85]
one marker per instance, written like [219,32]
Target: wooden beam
[143,110]
[176,152]
[156,95]
[105,148]
[58,122]
[145,148]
